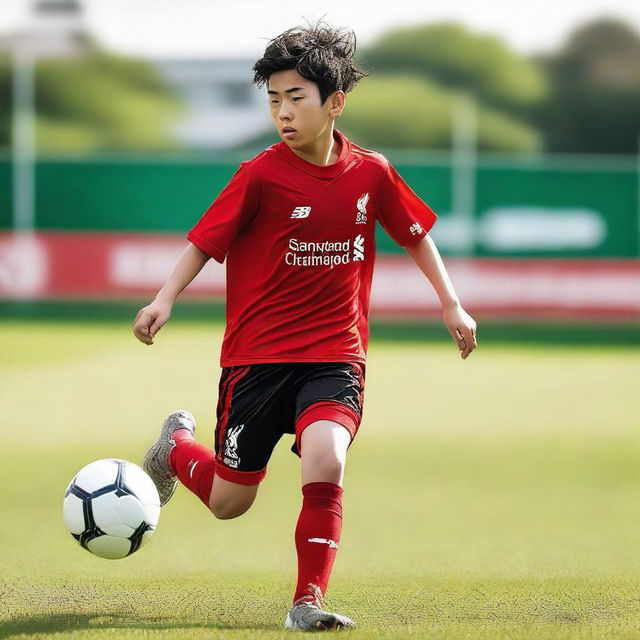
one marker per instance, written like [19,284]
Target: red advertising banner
[117,266]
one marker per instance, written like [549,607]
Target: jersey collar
[326,171]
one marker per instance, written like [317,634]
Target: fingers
[156,326]
[142,333]
[466,340]
[462,328]
[460,341]
[142,326]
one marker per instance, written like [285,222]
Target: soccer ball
[111,508]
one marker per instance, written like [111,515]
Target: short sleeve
[228,215]
[402,213]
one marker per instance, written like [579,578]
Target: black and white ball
[111,508]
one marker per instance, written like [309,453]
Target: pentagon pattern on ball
[111,508]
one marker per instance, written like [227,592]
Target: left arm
[459,323]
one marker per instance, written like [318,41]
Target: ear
[337,102]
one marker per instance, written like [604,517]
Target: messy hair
[318,53]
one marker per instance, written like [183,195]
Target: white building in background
[54,28]
[222,108]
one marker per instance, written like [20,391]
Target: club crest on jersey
[361,215]
[301,212]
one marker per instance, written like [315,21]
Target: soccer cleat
[307,615]
[156,461]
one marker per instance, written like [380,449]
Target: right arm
[151,318]
[233,209]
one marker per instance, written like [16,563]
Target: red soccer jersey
[300,247]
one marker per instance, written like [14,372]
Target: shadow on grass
[61,622]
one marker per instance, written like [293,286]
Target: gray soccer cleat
[156,461]
[307,615]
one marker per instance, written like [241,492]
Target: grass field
[491,498]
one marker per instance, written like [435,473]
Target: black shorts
[258,403]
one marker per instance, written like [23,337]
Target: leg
[198,469]
[229,499]
[178,456]
[323,446]
[227,479]
[328,414]
[249,425]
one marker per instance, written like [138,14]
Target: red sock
[193,463]
[317,536]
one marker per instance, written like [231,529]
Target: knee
[230,500]
[327,465]
[228,510]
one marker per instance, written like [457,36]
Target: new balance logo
[301,212]
[415,228]
[358,248]
[332,543]
[361,216]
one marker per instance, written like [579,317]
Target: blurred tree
[436,61]
[404,110]
[594,105]
[455,57]
[96,102]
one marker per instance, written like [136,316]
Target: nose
[284,114]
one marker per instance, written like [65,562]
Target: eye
[274,102]
[297,98]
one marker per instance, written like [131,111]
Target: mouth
[288,132]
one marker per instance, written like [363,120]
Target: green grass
[493,498]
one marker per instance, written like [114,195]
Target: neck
[322,151]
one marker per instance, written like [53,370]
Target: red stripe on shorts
[228,397]
[327,410]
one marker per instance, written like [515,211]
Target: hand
[462,328]
[150,319]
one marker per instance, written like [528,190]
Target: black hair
[318,53]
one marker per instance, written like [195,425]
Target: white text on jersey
[324,254]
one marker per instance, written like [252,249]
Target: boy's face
[294,103]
